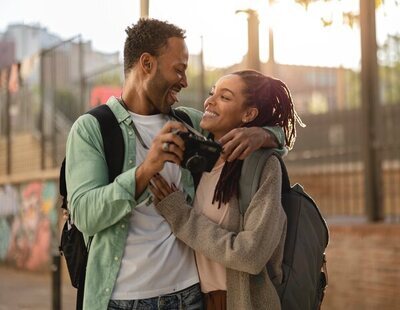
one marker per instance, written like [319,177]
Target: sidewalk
[23,290]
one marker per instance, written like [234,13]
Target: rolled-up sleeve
[94,203]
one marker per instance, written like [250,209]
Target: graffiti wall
[28,224]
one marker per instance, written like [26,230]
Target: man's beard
[158,92]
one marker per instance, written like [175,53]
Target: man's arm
[241,142]
[93,202]
[157,156]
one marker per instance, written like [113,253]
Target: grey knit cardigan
[246,247]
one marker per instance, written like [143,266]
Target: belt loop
[180,301]
[158,302]
[135,304]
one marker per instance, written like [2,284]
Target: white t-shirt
[155,262]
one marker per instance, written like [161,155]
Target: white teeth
[174,95]
[209,113]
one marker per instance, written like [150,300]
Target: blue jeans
[187,299]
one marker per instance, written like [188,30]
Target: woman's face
[224,109]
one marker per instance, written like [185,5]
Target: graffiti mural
[28,221]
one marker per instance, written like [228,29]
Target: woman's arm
[250,249]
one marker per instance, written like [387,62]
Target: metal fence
[328,158]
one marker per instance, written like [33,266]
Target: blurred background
[339,58]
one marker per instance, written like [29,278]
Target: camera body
[200,153]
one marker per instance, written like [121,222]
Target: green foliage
[67,103]
[110,78]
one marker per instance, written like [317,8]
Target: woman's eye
[224,97]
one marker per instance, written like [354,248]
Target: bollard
[56,282]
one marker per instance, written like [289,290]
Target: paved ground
[21,290]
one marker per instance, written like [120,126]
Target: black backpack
[72,244]
[307,236]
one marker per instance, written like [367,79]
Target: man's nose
[183,82]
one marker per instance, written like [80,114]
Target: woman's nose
[208,101]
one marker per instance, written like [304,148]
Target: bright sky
[299,35]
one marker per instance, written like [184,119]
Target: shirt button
[107,289]
[130,161]
[130,133]
[123,226]
[116,258]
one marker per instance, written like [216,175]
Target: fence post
[41,113]
[82,77]
[8,123]
[370,111]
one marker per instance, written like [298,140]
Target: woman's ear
[250,115]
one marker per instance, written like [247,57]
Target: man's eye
[224,98]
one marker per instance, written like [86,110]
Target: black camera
[200,153]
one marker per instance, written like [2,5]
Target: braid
[275,107]
[227,185]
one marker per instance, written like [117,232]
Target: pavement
[24,290]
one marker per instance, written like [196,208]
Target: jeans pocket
[192,299]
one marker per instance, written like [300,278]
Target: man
[134,259]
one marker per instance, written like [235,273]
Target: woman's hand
[160,188]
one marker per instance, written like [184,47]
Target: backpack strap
[113,141]
[183,116]
[63,186]
[114,147]
[250,176]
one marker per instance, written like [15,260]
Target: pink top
[212,274]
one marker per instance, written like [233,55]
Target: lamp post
[253,52]
[370,110]
[144,8]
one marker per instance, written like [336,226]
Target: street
[23,290]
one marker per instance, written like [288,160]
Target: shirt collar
[120,113]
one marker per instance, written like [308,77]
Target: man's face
[169,76]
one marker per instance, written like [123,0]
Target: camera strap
[186,122]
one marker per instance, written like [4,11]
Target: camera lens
[196,163]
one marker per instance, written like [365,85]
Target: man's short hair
[147,35]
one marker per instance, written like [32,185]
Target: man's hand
[241,142]
[167,146]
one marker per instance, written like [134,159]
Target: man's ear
[146,62]
[250,115]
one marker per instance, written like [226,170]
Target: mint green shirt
[102,210]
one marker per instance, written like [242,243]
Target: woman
[232,252]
